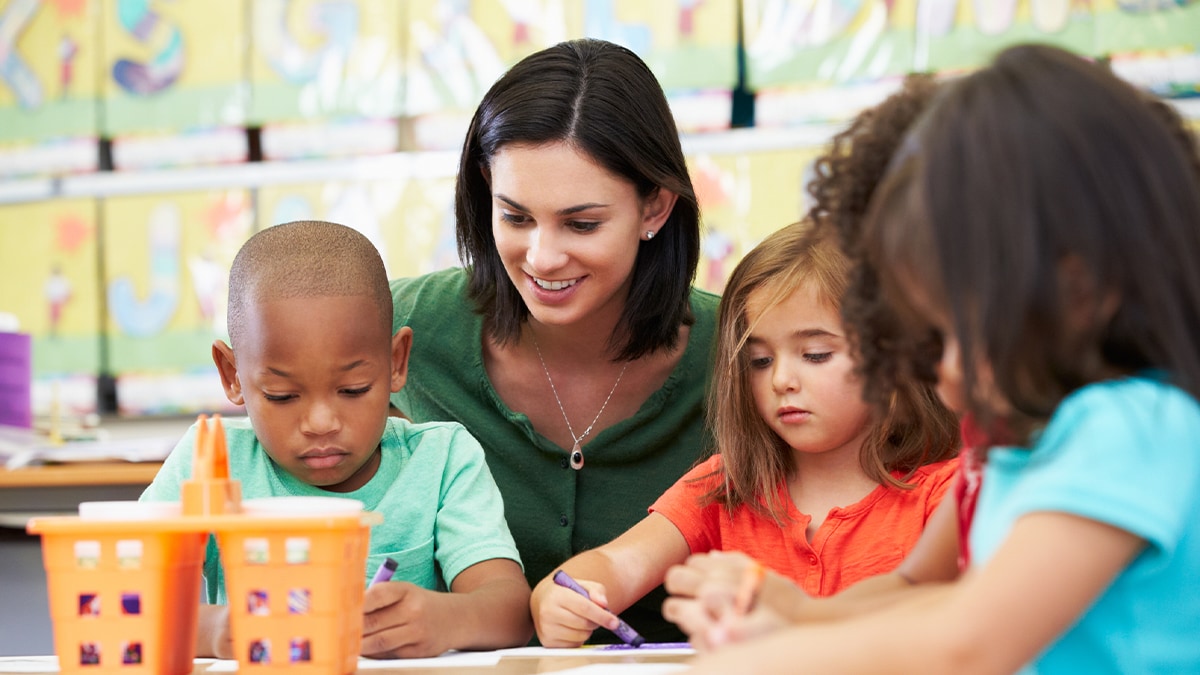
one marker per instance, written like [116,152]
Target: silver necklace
[576,451]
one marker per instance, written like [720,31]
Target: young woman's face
[567,231]
[315,376]
[801,373]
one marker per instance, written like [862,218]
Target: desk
[59,488]
[508,665]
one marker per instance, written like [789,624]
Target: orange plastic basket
[295,588]
[125,592]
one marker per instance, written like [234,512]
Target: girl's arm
[615,575]
[487,608]
[1047,573]
[703,590]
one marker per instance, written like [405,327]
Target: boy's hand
[402,620]
[564,618]
[214,635]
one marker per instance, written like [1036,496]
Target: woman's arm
[1047,573]
[487,608]
[615,575]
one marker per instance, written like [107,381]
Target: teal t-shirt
[441,510]
[554,511]
[1125,453]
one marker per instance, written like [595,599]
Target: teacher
[572,344]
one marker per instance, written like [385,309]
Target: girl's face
[567,230]
[801,374]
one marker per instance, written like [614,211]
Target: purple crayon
[385,571]
[623,630]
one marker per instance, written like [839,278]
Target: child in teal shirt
[313,359]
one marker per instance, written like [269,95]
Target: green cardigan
[553,511]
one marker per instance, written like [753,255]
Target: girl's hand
[707,632]
[402,620]
[722,582]
[564,618]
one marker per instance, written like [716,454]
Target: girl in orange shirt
[810,480]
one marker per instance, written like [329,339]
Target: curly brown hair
[846,177]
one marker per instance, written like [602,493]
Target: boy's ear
[227,366]
[656,209]
[401,345]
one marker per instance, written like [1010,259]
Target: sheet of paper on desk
[28,664]
[624,669]
[451,659]
[20,448]
[664,648]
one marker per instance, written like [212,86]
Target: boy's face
[315,375]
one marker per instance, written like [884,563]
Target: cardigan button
[564,462]
[562,520]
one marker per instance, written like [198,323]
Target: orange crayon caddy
[124,578]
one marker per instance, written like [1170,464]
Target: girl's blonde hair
[914,430]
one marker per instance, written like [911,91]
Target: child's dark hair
[845,178]
[1051,213]
[914,430]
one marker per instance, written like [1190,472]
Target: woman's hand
[564,618]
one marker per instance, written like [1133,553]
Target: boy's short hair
[306,258]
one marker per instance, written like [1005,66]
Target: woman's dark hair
[1052,213]
[603,100]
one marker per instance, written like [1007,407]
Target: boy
[312,358]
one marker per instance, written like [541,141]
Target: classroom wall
[142,142]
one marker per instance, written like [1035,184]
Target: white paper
[650,648]
[28,664]
[450,659]
[625,669]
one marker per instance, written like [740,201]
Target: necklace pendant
[576,458]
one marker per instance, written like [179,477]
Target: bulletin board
[315,59]
[166,266]
[409,219]
[743,198]
[49,281]
[48,86]
[173,66]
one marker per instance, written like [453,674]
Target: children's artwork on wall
[1154,26]
[48,280]
[166,262]
[957,35]
[173,69]
[455,49]
[321,60]
[409,219]
[689,44]
[744,196]
[822,42]
[48,87]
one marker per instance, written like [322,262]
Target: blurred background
[142,141]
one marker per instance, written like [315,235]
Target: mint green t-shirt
[554,511]
[441,510]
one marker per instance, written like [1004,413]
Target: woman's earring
[650,234]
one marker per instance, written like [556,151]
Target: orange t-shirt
[857,541]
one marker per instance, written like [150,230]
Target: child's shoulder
[1143,402]
[442,438]
[935,473]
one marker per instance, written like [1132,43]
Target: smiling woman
[573,332]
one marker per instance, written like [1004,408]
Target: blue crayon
[623,630]
[385,571]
